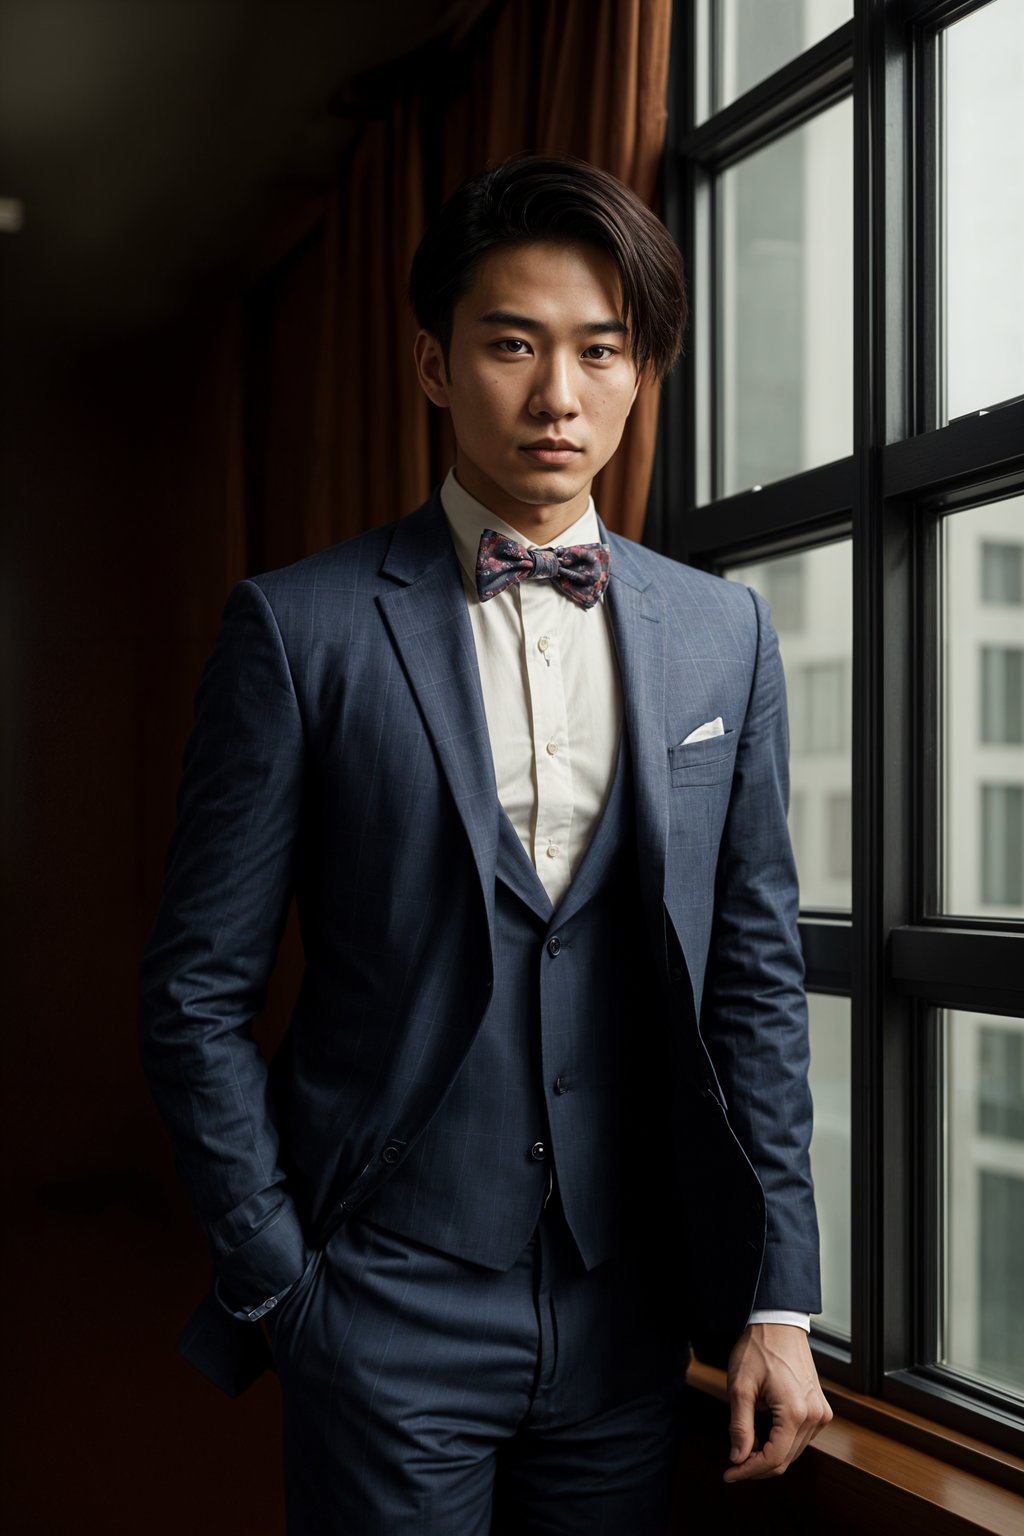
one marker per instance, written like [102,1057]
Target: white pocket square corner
[705,732]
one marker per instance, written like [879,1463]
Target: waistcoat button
[539,1151]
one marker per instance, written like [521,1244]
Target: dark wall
[123,532]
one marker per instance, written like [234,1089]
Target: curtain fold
[580,77]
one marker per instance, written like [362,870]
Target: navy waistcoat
[567,1077]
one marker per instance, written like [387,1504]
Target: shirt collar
[467,519]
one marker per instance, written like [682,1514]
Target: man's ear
[641,380]
[430,368]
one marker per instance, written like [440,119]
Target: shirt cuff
[772,1315]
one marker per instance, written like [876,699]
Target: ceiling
[152,142]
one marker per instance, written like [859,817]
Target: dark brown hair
[560,200]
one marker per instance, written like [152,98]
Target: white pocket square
[705,732]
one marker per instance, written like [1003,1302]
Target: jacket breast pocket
[703,762]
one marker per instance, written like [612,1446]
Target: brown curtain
[332,382]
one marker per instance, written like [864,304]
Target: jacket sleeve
[754,1010]
[204,975]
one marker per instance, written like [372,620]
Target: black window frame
[896,956]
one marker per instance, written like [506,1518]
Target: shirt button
[561,1085]
[552,748]
[538,1151]
[554,946]
[543,643]
[553,850]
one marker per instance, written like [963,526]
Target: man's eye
[514,345]
[605,353]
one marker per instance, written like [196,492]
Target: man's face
[539,382]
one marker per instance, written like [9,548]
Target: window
[981,662]
[1002,573]
[1001,1080]
[810,594]
[830,1152]
[781,583]
[1002,845]
[784,355]
[981,151]
[753,38]
[983,1325]
[853,390]
[817,707]
[838,843]
[1002,695]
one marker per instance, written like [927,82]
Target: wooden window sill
[883,1469]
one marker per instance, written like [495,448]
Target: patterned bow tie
[580,571]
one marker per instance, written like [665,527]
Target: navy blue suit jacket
[341,752]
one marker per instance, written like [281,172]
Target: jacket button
[561,1085]
[554,946]
[539,1151]
[391,1154]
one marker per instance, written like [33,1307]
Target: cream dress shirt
[553,701]
[552,696]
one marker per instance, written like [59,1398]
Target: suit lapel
[427,618]
[636,614]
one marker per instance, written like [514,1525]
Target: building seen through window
[984,1206]
[983,711]
[812,593]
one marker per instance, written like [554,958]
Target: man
[541,1116]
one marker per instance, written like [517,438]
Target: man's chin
[526,487]
[547,488]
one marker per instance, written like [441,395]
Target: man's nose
[554,394]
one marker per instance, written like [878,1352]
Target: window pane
[1002,572]
[1002,694]
[1001,1080]
[839,850]
[815,624]
[984,213]
[1001,866]
[984,1198]
[785,336]
[830,1152]
[983,712]
[757,37]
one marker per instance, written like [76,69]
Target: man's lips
[551,451]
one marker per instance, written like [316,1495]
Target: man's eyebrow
[613,326]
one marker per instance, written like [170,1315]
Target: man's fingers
[774,1456]
[791,1433]
[741,1423]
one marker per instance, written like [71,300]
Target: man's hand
[771,1368]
